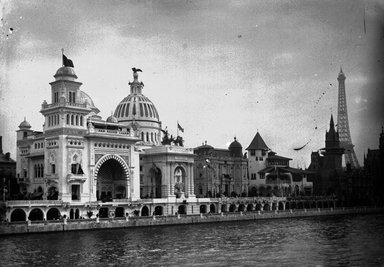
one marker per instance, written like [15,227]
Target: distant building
[8,183]
[374,171]
[329,177]
[220,171]
[270,174]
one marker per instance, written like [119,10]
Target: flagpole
[177,128]
[62,56]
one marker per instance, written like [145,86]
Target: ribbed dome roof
[138,107]
[65,73]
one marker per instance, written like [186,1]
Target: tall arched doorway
[53,214]
[111,180]
[18,215]
[155,174]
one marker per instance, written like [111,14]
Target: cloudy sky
[220,68]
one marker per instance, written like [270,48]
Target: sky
[222,69]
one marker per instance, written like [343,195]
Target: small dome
[235,144]
[25,124]
[84,98]
[65,73]
[236,149]
[112,119]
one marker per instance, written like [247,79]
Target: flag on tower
[180,128]
[67,62]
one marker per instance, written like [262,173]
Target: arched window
[68,119]
[142,136]
[81,121]
[72,119]
[58,118]
[141,110]
[35,168]
[152,137]
[77,120]
[49,121]
[147,137]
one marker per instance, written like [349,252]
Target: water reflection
[344,240]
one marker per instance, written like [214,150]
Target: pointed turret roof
[257,143]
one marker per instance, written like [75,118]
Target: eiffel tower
[343,125]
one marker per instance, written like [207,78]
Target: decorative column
[171,180]
[192,180]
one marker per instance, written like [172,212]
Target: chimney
[1,145]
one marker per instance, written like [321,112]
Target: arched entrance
[258,206]
[241,207]
[232,208]
[182,209]
[103,212]
[119,212]
[158,210]
[203,209]
[53,214]
[36,215]
[112,173]
[223,208]
[155,174]
[212,208]
[266,207]
[249,207]
[145,211]
[18,215]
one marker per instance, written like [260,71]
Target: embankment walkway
[130,222]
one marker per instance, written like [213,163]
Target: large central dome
[136,107]
[137,111]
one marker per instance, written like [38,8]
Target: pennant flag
[180,128]
[67,62]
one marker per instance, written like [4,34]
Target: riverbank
[130,222]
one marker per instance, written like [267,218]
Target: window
[76,169]
[253,152]
[53,168]
[257,159]
[75,192]
[68,119]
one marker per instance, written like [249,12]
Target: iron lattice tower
[343,125]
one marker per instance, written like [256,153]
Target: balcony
[65,104]
[76,178]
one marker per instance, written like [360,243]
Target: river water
[319,241]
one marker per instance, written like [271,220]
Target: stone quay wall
[130,222]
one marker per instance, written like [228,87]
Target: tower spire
[343,124]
